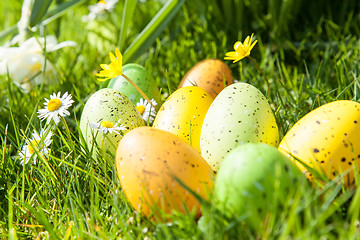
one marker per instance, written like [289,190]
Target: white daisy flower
[108,127]
[56,107]
[99,9]
[146,110]
[26,64]
[40,142]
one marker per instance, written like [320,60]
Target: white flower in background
[146,110]
[56,107]
[26,64]
[40,142]
[100,8]
[108,127]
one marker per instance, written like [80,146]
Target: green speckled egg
[139,76]
[238,115]
[108,105]
[327,139]
[183,114]
[253,179]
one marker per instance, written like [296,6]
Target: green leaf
[154,28]
[128,14]
[38,11]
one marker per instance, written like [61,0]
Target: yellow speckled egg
[183,114]
[210,75]
[149,160]
[327,139]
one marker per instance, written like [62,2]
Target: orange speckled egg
[210,75]
[149,160]
[183,114]
[327,139]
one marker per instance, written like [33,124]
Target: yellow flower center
[54,104]
[30,146]
[102,1]
[36,67]
[107,124]
[141,109]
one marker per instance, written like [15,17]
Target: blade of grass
[12,232]
[154,28]
[347,87]
[228,8]
[40,216]
[128,15]
[38,11]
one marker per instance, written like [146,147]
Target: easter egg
[238,115]
[151,164]
[183,114]
[327,139]
[255,179]
[139,76]
[212,75]
[104,110]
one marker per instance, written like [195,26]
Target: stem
[102,145]
[4,148]
[266,79]
[67,129]
[138,89]
[102,152]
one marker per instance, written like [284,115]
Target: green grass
[75,194]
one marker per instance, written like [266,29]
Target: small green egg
[138,74]
[253,179]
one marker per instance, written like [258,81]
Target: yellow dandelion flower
[241,49]
[113,69]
